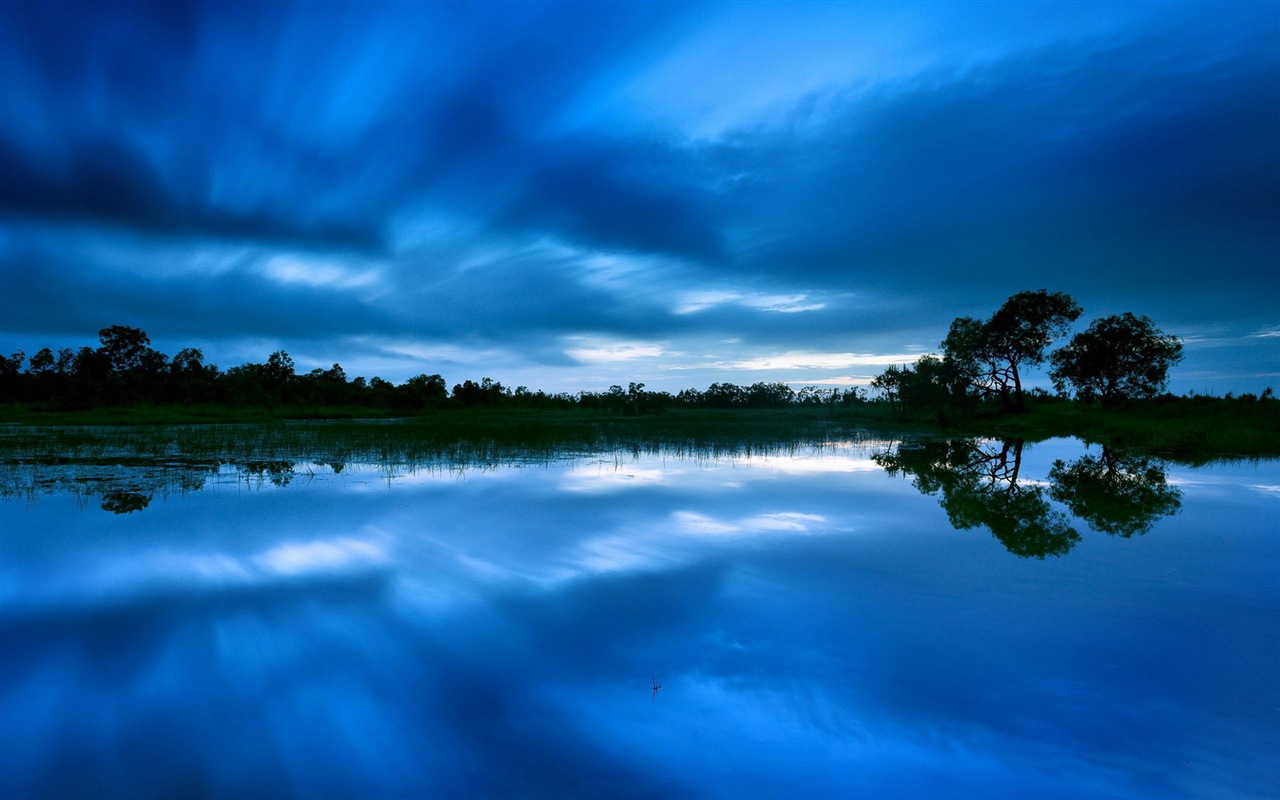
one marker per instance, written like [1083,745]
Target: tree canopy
[1117,357]
[989,354]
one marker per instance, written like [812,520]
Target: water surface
[874,619]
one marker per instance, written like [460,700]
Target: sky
[572,195]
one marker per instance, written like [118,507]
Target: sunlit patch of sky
[568,197]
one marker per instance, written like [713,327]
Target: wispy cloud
[594,351]
[695,301]
[319,273]
[811,360]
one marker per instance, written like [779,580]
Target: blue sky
[567,196]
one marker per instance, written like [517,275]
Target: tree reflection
[980,487]
[1117,494]
[125,484]
[125,502]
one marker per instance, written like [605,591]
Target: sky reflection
[817,631]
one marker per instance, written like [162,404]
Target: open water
[880,619]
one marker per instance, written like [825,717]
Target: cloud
[695,301]
[615,198]
[1113,169]
[811,360]
[109,182]
[506,178]
[592,350]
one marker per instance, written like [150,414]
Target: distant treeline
[125,370]
[1115,360]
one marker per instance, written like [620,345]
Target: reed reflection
[981,484]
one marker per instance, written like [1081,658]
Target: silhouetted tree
[990,354]
[125,348]
[190,379]
[889,384]
[487,392]
[91,370]
[1117,357]
[769,395]
[11,377]
[930,383]
[422,391]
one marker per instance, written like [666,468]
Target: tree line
[1117,358]
[982,363]
[125,370]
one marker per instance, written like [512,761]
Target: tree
[931,382]
[10,376]
[487,392]
[990,354]
[889,383]
[126,348]
[190,379]
[1117,357]
[724,395]
[421,391]
[769,395]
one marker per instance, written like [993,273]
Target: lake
[866,618]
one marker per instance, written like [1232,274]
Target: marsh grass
[1187,430]
[147,460]
[138,461]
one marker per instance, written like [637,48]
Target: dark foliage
[126,371]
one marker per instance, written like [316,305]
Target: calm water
[933,620]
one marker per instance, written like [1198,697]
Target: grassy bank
[1186,429]
[449,437]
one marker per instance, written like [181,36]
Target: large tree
[991,353]
[126,348]
[1117,357]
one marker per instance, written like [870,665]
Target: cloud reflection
[472,636]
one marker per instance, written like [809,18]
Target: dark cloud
[1119,166]
[1132,167]
[108,182]
[238,302]
[600,200]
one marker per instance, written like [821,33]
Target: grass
[1186,429]
[463,437]
[141,460]
[127,456]
[1189,430]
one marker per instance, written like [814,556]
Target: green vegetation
[125,466]
[126,372]
[1119,357]
[1184,428]
[1188,429]
[986,357]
